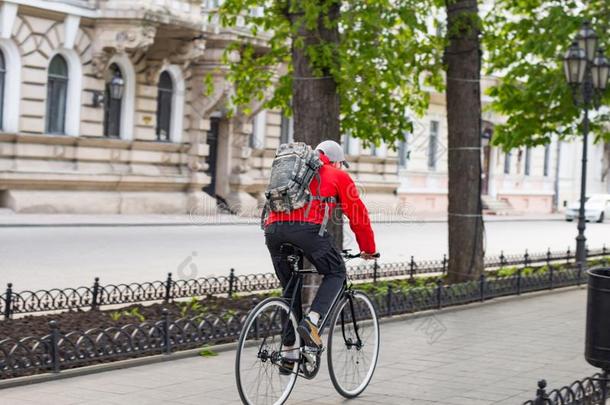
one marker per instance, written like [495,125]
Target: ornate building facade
[103,109]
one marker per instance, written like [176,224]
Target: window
[507,159]
[433,145]
[547,153]
[286,129]
[403,152]
[345,143]
[2,79]
[112,104]
[528,161]
[259,126]
[57,94]
[165,94]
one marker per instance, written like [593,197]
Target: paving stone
[490,354]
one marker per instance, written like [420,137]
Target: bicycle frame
[297,279]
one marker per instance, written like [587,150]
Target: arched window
[57,94]
[2,77]
[113,101]
[165,95]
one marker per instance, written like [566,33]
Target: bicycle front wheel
[353,344]
[261,350]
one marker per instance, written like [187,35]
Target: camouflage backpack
[294,167]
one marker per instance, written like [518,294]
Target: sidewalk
[9,219]
[484,354]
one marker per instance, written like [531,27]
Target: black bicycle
[353,343]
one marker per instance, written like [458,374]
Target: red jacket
[335,183]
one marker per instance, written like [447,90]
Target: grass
[206,351]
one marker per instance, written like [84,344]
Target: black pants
[319,250]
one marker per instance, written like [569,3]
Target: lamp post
[586,70]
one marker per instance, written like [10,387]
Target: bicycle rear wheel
[353,344]
[260,352]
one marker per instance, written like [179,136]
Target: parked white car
[597,207]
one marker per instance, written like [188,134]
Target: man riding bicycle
[305,228]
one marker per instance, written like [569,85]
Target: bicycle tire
[334,344]
[244,338]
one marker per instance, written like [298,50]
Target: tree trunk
[462,57]
[315,105]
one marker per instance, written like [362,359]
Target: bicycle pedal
[312,350]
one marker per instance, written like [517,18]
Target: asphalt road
[48,257]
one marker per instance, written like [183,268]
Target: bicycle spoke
[258,363]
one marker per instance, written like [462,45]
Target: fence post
[549,267]
[482,286]
[168,287]
[568,256]
[412,271]
[8,301]
[167,344]
[375,267]
[541,396]
[95,294]
[439,293]
[231,282]
[605,386]
[519,280]
[389,299]
[54,346]
[444,264]
[502,259]
[526,259]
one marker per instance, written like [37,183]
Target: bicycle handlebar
[348,255]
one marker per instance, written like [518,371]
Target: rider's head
[334,152]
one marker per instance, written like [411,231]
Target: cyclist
[303,230]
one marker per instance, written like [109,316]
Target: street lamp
[586,70]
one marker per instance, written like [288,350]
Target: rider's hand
[368,256]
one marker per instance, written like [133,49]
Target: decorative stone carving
[139,38]
[112,38]
[99,62]
[153,70]
[188,52]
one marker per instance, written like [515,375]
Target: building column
[196,127]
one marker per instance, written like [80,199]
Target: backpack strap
[323,200]
[311,197]
[326,201]
[264,215]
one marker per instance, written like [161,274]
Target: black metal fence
[588,391]
[97,295]
[57,350]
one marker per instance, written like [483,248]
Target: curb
[160,358]
[116,365]
[164,224]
